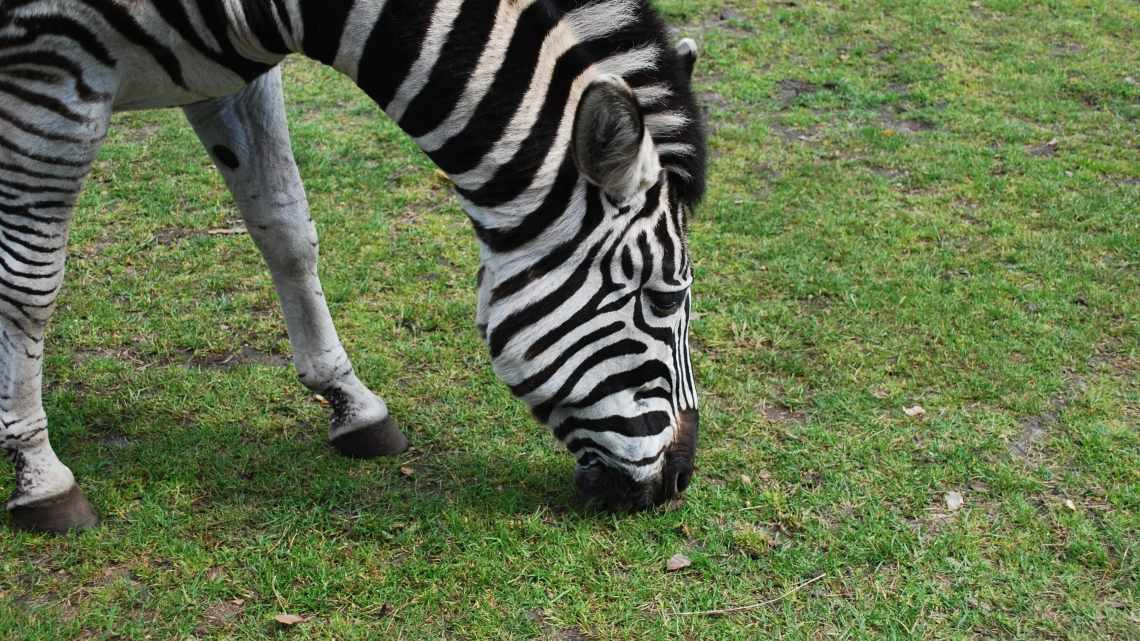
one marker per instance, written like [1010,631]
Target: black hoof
[68,511]
[382,439]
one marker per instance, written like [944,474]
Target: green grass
[888,225]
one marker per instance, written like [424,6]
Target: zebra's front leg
[248,138]
[49,141]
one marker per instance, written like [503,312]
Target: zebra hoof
[381,439]
[58,514]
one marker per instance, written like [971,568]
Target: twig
[752,606]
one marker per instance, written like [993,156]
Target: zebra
[567,128]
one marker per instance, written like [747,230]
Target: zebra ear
[610,145]
[687,52]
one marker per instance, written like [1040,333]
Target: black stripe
[43,101]
[393,47]
[36,248]
[553,206]
[214,17]
[635,378]
[47,160]
[537,380]
[515,175]
[6,249]
[557,256]
[536,311]
[39,26]
[28,127]
[323,25]
[15,272]
[53,60]
[121,20]
[668,252]
[449,77]
[579,444]
[648,424]
[464,151]
[260,18]
[16,169]
[626,347]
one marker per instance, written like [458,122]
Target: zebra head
[591,328]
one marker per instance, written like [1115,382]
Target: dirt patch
[1044,150]
[245,356]
[174,235]
[780,413]
[1035,429]
[792,134]
[905,125]
[552,632]
[888,173]
[728,20]
[789,90]
[219,615]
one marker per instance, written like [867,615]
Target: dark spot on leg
[226,156]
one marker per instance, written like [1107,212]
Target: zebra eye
[665,303]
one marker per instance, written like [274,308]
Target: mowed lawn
[911,204]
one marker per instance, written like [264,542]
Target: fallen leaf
[954,500]
[289,619]
[321,399]
[914,410]
[745,479]
[1069,504]
[880,392]
[888,132]
[407,470]
[238,601]
[677,562]
[214,573]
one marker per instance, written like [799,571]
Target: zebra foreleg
[248,138]
[48,141]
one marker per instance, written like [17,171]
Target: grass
[912,203]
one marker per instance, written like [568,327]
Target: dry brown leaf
[745,479]
[407,470]
[1069,504]
[914,411]
[321,399]
[880,392]
[677,562]
[289,619]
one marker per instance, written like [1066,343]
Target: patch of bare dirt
[789,90]
[219,615]
[1045,149]
[552,632]
[1035,429]
[729,20]
[905,125]
[245,356]
[780,413]
[792,134]
[174,235]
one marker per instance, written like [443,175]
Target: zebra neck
[487,89]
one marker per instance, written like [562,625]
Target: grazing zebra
[568,128]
